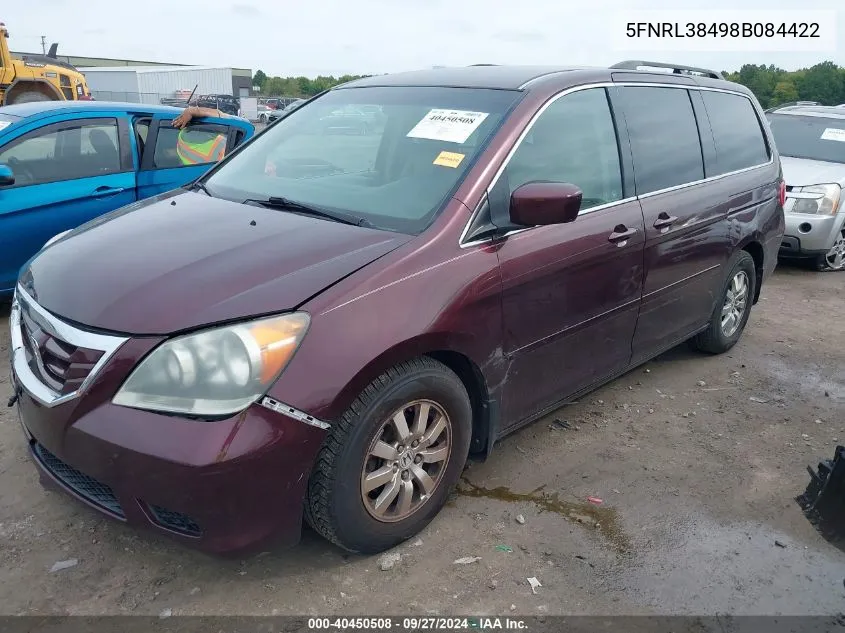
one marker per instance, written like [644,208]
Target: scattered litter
[513,607]
[534,584]
[648,371]
[651,410]
[779,544]
[804,436]
[701,383]
[504,548]
[818,421]
[64,564]
[417,543]
[166,613]
[615,491]
[388,561]
[195,591]
[520,519]
[467,560]
[564,424]
[758,400]
[493,584]
[596,501]
[521,450]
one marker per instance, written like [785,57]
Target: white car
[811,143]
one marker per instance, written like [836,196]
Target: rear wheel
[29,96]
[389,464]
[834,259]
[731,313]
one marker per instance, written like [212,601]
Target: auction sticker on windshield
[833,134]
[449,159]
[452,126]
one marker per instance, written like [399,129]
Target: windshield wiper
[198,186]
[276,202]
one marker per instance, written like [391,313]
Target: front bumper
[226,487]
[808,235]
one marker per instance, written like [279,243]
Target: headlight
[815,199]
[215,372]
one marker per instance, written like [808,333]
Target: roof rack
[636,64]
[791,104]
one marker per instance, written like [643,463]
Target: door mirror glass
[7,177]
[540,203]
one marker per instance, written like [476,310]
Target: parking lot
[696,461]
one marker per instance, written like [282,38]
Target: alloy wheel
[835,257]
[406,461]
[736,299]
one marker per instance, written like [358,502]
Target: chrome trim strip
[603,84]
[61,330]
[296,414]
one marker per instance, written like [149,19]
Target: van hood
[800,172]
[185,260]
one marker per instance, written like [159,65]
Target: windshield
[816,138]
[390,155]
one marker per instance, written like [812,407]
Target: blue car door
[67,171]
[162,167]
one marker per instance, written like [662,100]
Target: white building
[150,84]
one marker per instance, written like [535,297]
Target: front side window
[390,155]
[664,137]
[740,142]
[63,152]
[572,141]
[197,144]
[813,137]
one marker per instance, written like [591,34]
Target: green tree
[785,91]
[259,79]
[824,83]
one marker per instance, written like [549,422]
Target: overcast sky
[334,37]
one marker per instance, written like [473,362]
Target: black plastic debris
[823,501]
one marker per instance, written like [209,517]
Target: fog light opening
[805,227]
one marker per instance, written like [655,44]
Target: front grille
[61,366]
[175,521]
[86,487]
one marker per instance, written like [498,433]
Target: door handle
[104,192]
[621,234]
[664,220]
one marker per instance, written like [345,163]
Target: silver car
[811,142]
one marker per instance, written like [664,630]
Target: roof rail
[791,104]
[471,65]
[636,64]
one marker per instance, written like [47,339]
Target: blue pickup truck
[64,163]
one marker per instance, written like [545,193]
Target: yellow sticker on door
[449,159]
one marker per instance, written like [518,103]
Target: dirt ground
[698,515]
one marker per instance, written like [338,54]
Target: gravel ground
[696,459]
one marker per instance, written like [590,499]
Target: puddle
[603,519]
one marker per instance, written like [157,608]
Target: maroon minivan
[333,319]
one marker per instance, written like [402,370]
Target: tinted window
[812,137]
[391,155]
[664,137]
[82,151]
[193,145]
[573,141]
[739,139]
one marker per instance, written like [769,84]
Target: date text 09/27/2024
[423,623]
[669,30]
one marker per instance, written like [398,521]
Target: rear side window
[664,137]
[197,144]
[740,142]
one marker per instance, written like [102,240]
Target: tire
[30,96]
[336,504]
[717,339]
[834,259]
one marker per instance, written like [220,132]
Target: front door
[66,173]
[571,292]
[164,166]
[685,219]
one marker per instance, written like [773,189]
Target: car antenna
[191,96]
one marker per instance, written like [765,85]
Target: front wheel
[389,464]
[29,96]
[731,313]
[834,259]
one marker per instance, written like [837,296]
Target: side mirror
[7,176]
[541,203]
